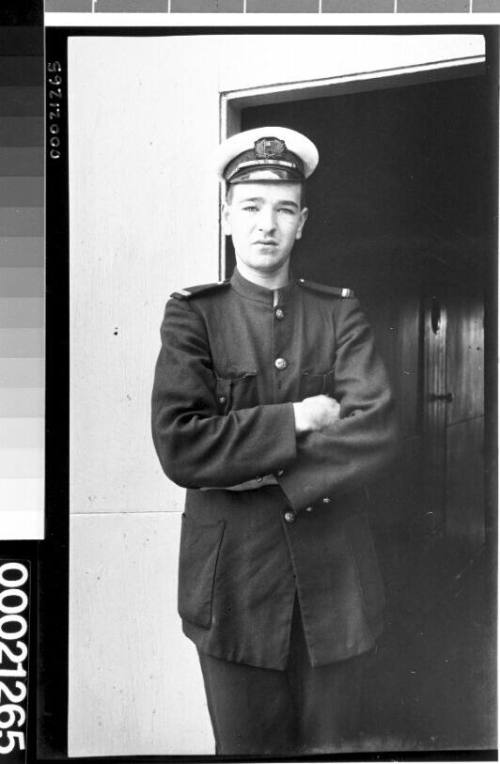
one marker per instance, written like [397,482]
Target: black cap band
[268,160]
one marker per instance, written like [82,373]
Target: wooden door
[448,531]
[465,471]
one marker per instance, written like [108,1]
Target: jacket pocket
[236,392]
[200,545]
[316,384]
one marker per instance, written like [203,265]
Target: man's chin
[264,263]
[268,261]
[267,251]
[269,268]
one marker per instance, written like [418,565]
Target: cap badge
[267,148]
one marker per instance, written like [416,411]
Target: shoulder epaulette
[342,292]
[194,291]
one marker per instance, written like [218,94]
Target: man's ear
[226,218]
[304,214]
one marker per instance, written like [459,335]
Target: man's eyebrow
[290,202]
[247,199]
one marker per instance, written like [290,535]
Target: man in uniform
[272,407]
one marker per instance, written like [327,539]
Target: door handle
[448,397]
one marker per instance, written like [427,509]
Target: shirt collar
[253,291]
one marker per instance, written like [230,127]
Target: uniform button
[279,313]
[280,473]
[258,479]
[281,363]
[309,509]
[289,517]
[326,500]
[222,399]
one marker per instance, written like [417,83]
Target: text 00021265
[14,619]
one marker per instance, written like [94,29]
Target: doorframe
[232,102]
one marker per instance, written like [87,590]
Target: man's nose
[267,220]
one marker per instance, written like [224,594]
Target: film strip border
[273,6]
[22,282]
[22,351]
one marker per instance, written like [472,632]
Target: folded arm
[349,452]
[324,445]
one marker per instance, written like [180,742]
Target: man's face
[264,221]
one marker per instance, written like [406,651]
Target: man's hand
[315,413]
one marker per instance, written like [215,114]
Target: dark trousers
[295,711]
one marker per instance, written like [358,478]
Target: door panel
[465,353]
[465,518]
[435,406]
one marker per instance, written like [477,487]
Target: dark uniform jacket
[234,357]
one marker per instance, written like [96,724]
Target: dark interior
[403,210]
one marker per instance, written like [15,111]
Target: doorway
[402,210]
[399,213]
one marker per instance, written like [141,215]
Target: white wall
[143,208]
[143,223]
[143,123]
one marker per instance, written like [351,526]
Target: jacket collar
[252,291]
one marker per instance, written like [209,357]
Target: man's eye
[287,210]
[250,208]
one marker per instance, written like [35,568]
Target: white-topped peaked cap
[266,154]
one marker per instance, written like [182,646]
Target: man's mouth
[266,242]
